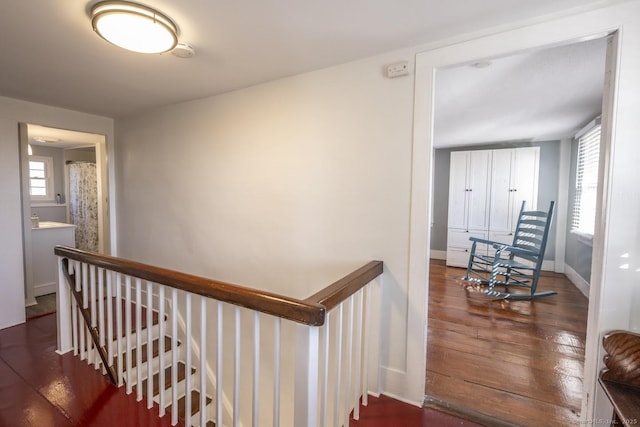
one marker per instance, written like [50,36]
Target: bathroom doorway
[64,201]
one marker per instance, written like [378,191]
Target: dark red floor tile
[47,389]
[21,406]
[387,412]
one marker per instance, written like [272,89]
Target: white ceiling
[540,95]
[49,53]
[61,138]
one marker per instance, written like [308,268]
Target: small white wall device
[398,69]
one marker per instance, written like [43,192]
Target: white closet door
[524,181]
[458,190]
[478,174]
[501,191]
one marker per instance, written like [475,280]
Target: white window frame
[48,179]
[586,186]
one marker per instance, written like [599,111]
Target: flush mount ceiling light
[134,27]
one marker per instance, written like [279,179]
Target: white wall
[285,186]
[13,112]
[290,184]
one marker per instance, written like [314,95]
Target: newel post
[63,311]
[305,411]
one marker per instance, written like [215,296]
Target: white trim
[401,399]
[577,280]
[586,128]
[438,254]
[562,205]
[548,265]
[45,289]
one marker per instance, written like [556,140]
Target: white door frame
[624,19]
[104,224]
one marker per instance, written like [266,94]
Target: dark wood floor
[517,363]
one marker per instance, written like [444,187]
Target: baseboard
[548,265]
[438,255]
[45,289]
[577,280]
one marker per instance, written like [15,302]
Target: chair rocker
[517,264]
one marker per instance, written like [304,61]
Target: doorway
[432,74]
[49,158]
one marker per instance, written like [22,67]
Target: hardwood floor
[505,363]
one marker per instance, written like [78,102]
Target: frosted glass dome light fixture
[134,27]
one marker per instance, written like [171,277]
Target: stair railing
[175,337]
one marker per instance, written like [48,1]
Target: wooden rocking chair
[517,264]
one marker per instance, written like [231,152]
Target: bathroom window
[41,178]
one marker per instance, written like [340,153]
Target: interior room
[274,216]
[468,97]
[62,198]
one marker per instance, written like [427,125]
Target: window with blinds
[584,207]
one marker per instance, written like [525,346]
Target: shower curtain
[83,203]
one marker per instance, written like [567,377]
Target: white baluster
[305,405]
[119,328]
[358,355]
[85,285]
[348,368]
[365,347]
[236,370]
[128,326]
[109,335]
[203,361]
[188,386]
[149,345]
[174,357]
[85,305]
[64,309]
[161,349]
[219,355]
[324,387]
[277,327]
[138,284]
[79,324]
[74,325]
[101,327]
[95,358]
[256,368]
[338,385]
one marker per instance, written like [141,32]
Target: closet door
[468,203]
[458,190]
[501,191]
[524,181]
[514,178]
[478,186]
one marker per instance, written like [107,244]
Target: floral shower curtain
[83,203]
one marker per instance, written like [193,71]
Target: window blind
[584,207]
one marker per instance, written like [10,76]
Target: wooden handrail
[342,289]
[311,311]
